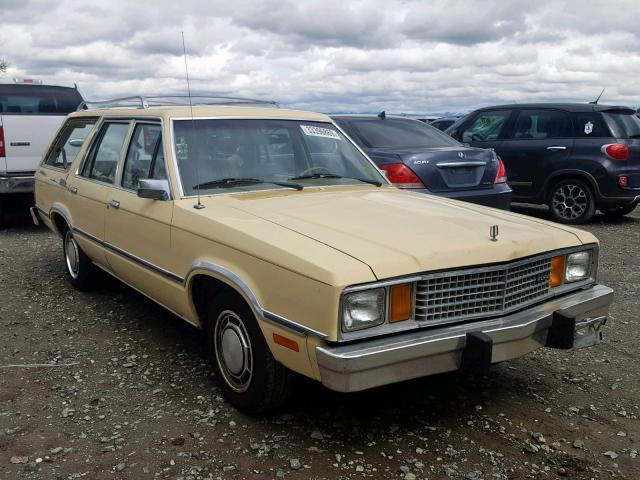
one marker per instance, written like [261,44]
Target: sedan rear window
[400,133]
[624,125]
[38,100]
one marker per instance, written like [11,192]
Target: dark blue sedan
[420,157]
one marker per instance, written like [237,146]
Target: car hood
[398,233]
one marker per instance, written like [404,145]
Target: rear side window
[623,124]
[69,142]
[38,100]
[145,157]
[589,125]
[400,133]
[105,153]
[541,124]
[486,126]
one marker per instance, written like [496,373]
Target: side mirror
[76,142]
[154,189]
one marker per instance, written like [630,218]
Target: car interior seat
[523,127]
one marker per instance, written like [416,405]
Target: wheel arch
[565,174]
[60,219]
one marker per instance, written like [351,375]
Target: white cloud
[335,55]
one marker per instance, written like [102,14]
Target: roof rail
[140,101]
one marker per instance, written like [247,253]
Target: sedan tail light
[2,152]
[501,176]
[616,151]
[402,176]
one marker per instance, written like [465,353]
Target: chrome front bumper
[19,183]
[571,321]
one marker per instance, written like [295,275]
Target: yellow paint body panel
[294,252]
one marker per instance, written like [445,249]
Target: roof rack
[140,101]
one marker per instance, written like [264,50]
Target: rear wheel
[619,211]
[571,201]
[248,375]
[81,271]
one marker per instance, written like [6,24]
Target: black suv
[576,158]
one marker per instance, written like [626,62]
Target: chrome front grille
[466,294]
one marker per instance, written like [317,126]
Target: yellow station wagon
[271,230]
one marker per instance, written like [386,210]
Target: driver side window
[69,143]
[145,158]
[486,126]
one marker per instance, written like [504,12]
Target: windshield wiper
[333,175]
[232,182]
[635,135]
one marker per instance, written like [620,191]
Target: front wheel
[81,271]
[571,201]
[248,375]
[619,211]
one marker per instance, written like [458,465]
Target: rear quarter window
[38,100]
[623,125]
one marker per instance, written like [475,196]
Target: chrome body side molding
[238,283]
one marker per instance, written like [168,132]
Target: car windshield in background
[400,133]
[38,100]
[625,125]
[244,155]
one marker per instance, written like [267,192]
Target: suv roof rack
[139,101]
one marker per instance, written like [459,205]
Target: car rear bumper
[498,196]
[17,182]
[573,320]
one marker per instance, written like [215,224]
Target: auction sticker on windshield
[319,132]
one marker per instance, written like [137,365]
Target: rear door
[538,143]
[31,115]
[92,186]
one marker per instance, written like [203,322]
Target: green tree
[3,66]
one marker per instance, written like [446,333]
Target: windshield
[396,132]
[244,155]
[38,99]
[624,125]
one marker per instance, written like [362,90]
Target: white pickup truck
[30,115]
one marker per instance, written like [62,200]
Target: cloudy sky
[334,55]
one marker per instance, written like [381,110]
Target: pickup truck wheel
[619,211]
[80,269]
[248,375]
[571,201]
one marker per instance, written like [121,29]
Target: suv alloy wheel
[571,201]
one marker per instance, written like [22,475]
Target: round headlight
[363,309]
[578,266]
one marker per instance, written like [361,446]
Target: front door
[138,230]
[538,143]
[91,187]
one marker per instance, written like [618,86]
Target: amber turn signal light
[286,342]
[556,276]
[400,302]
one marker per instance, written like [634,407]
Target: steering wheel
[476,137]
[314,170]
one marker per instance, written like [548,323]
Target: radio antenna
[198,205]
[595,102]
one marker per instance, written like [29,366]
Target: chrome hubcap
[570,201]
[71,254]
[233,351]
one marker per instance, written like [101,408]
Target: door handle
[62,182]
[42,172]
[556,148]
[114,204]
[73,189]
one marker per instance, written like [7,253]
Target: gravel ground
[137,399]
